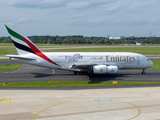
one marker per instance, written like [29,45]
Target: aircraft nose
[151,64]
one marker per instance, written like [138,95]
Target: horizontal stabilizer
[20,57]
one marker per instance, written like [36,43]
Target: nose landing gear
[143,72]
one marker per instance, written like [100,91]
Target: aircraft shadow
[38,75]
[107,77]
[95,78]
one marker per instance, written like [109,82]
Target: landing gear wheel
[75,73]
[143,72]
[89,74]
[79,73]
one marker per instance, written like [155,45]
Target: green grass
[142,50]
[6,44]
[46,84]
[145,50]
[156,65]
[10,52]
[3,59]
[8,68]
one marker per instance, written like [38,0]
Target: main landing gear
[82,73]
[79,73]
[143,72]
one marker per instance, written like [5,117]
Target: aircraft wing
[81,67]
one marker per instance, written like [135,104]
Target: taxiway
[34,73]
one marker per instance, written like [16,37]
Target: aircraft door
[140,61]
[143,61]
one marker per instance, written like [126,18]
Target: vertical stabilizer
[24,45]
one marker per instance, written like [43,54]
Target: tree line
[79,39]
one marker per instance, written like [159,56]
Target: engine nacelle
[103,69]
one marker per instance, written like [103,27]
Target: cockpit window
[147,59]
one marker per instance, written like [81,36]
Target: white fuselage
[65,60]
[79,62]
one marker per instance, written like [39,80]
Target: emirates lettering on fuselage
[120,58]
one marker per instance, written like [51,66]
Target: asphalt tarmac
[34,73]
[139,103]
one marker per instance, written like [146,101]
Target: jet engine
[103,69]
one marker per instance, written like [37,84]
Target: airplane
[79,62]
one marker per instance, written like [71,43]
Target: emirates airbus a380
[79,62]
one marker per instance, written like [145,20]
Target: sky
[100,18]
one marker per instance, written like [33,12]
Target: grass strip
[145,50]
[156,65]
[8,68]
[3,59]
[7,51]
[46,84]
[142,50]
